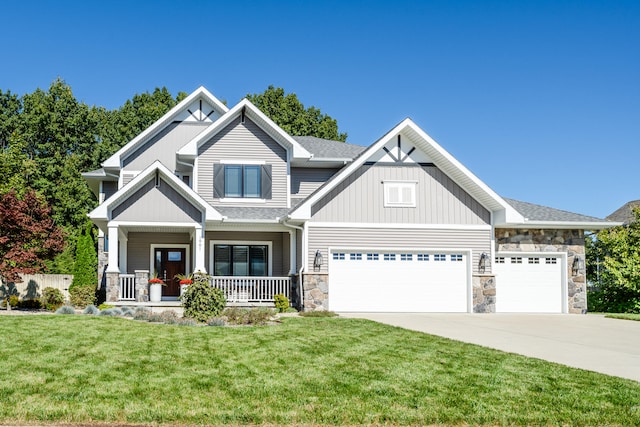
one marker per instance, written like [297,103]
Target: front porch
[133,289]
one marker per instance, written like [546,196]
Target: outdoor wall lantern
[317,261]
[482,264]
[578,264]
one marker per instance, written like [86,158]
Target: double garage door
[529,283]
[398,281]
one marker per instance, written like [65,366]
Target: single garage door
[398,281]
[529,283]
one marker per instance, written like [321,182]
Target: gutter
[304,256]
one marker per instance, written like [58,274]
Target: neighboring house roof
[538,215]
[624,214]
[329,149]
[441,158]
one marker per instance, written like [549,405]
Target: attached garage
[399,281]
[530,283]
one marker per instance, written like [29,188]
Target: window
[423,257]
[338,256]
[499,260]
[242,181]
[389,257]
[550,260]
[516,260]
[399,194]
[355,257]
[534,261]
[240,260]
[439,257]
[372,257]
[456,257]
[406,257]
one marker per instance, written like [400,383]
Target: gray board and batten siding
[323,238]
[163,146]
[157,204]
[439,200]
[243,142]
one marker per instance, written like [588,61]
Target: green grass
[625,316]
[322,371]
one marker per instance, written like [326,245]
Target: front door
[168,263]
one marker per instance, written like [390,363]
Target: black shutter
[218,181]
[266,181]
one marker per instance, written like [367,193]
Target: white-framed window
[355,257]
[516,260]
[372,257]
[338,256]
[439,257]
[406,257]
[499,260]
[456,257]
[399,194]
[534,260]
[551,260]
[423,257]
[389,257]
[241,258]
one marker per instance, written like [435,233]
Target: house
[399,226]
[624,214]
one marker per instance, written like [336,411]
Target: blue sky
[540,99]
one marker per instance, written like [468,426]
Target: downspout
[304,257]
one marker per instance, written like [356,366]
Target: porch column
[198,250]
[114,265]
[293,251]
[123,246]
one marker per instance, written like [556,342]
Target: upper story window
[400,194]
[242,181]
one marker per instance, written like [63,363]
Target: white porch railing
[127,287]
[252,288]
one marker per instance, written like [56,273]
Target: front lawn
[320,371]
[625,316]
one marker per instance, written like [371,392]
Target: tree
[85,271]
[290,114]
[613,265]
[28,235]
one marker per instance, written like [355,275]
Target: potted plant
[155,288]
[185,281]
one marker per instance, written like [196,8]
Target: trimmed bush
[281,302]
[111,312]
[186,322]
[201,301]
[52,299]
[248,316]
[92,310]
[127,311]
[82,296]
[66,309]
[14,301]
[34,304]
[105,306]
[216,321]
[141,313]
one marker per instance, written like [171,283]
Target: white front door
[398,281]
[529,283]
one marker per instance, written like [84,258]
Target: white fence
[251,288]
[32,285]
[127,287]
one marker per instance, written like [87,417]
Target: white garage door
[398,281]
[529,283]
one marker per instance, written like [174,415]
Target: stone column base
[315,288]
[484,293]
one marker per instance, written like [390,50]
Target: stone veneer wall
[315,289]
[103,261]
[112,284]
[541,240]
[484,293]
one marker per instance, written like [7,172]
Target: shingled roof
[329,149]
[624,214]
[533,212]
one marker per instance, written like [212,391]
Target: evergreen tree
[85,267]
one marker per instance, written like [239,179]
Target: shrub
[66,309]
[111,312]
[156,318]
[245,316]
[85,268]
[141,313]
[216,321]
[282,302]
[186,322]
[201,301]
[30,304]
[613,299]
[320,313]
[14,301]
[92,310]
[105,306]
[168,316]
[52,299]
[127,311]
[82,296]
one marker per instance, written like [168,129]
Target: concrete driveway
[591,342]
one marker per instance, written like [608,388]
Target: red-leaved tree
[28,235]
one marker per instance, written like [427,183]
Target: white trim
[242,162]
[188,225]
[242,200]
[399,186]
[398,225]
[185,246]
[562,225]
[563,267]
[268,243]
[248,225]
